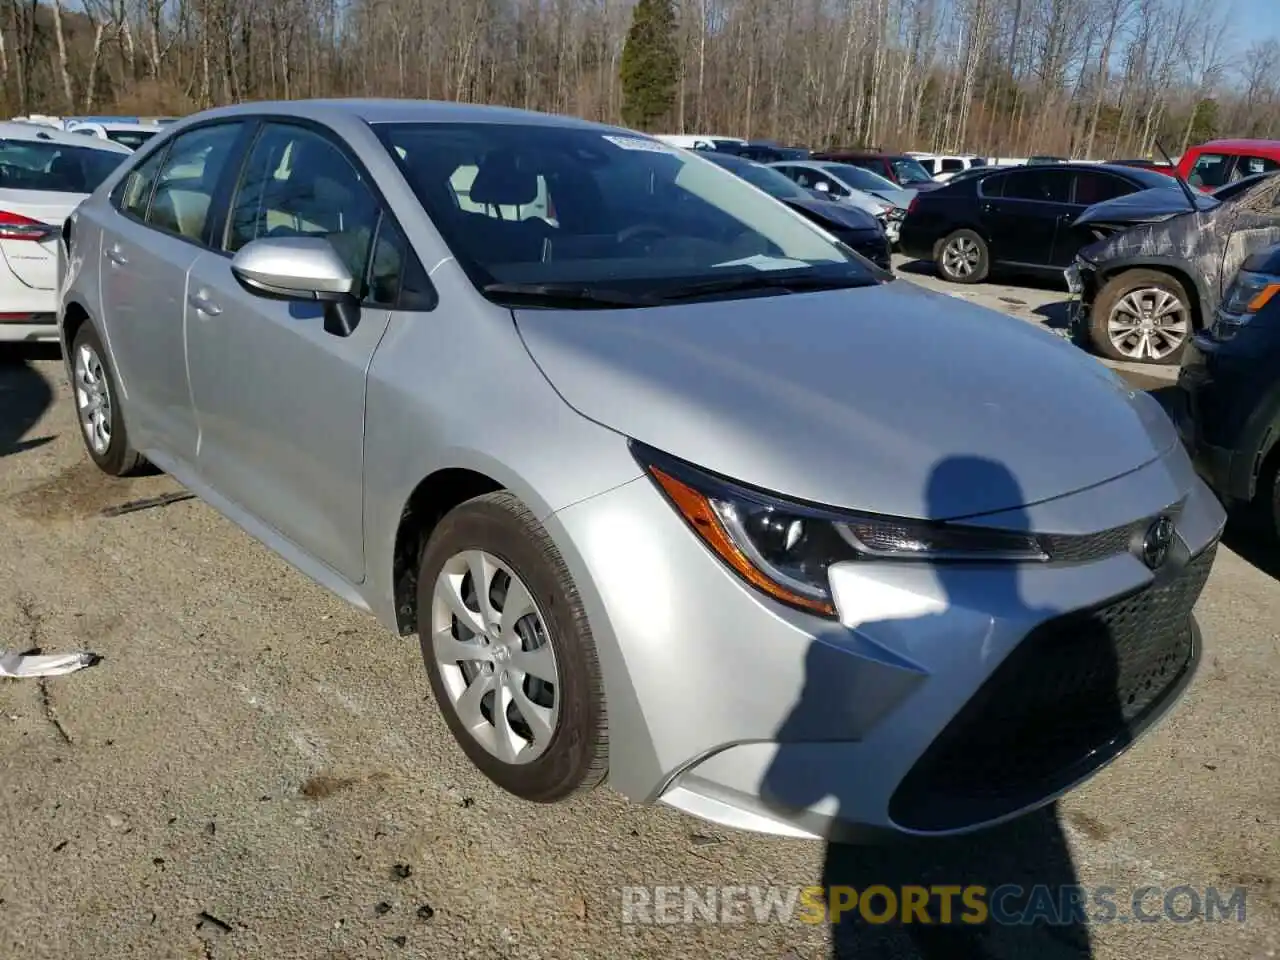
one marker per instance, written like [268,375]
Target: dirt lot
[255,770]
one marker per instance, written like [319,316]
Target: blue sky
[1257,18]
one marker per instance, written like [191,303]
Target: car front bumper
[944,699]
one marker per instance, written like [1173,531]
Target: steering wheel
[636,231]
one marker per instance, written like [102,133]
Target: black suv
[1228,400]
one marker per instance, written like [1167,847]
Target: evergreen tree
[650,65]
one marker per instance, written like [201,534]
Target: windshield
[910,171]
[55,167]
[550,204]
[770,181]
[861,179]
[132,139]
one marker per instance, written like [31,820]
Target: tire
[573,758]
[1121,297]
[1266,503]
[116,456]
[963,257]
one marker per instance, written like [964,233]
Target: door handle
[203,304]
[116,255]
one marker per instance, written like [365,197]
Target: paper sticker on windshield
[638,143]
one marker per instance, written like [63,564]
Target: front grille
[1082,548]
[1075,692]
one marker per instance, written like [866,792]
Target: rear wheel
[509,652]
[1143,316]
[94,386]
[963,257]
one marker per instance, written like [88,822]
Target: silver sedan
[672,487]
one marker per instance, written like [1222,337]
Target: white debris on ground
[24,665]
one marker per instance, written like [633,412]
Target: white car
[689,141]
[943,166]
[860,188]
[44,174]
[131,135]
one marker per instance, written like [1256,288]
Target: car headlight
[1246,297]
[784,548]
[897,213]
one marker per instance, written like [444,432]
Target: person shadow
[1048,715]
[24,397]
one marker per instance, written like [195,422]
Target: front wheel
[963,257]
[1143,316]
[509,652]
[1266,504]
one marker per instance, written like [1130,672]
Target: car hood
[899,198]
[1145,206]
[851,398]
[841,215]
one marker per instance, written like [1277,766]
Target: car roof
[114,126]
[377,111]
[37,133]
[1243,144]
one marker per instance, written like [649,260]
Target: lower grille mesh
[1072,694]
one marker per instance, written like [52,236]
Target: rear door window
[1046,186]
[1094,186]
[952,165]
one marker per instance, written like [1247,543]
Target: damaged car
[1227,404]
[1156,271]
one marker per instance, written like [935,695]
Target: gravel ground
[255,770]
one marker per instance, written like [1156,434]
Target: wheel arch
[1177,269]
[433,497]
[74,316]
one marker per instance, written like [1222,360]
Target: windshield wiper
[566,294]
[762,281]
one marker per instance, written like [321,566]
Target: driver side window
[297,183]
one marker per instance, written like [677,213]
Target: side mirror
[300,268]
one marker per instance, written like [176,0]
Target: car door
[279,401]
[1020,211]
[1088,187]
[157,233]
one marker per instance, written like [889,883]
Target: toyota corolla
[673,488]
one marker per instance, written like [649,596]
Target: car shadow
[1244,540]
[25,395]
[1056,315]
[1026,733]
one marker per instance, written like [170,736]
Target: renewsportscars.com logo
[1007,905]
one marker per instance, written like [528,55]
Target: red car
[1219,162]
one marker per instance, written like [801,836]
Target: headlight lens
[784,549]
[1247,296]
[897,213]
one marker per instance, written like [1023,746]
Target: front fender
[456,388]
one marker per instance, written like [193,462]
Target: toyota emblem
[1156,543]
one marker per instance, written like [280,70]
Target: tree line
[1095,78]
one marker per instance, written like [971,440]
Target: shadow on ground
[1244,540]
[25,395]
[1059,709]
